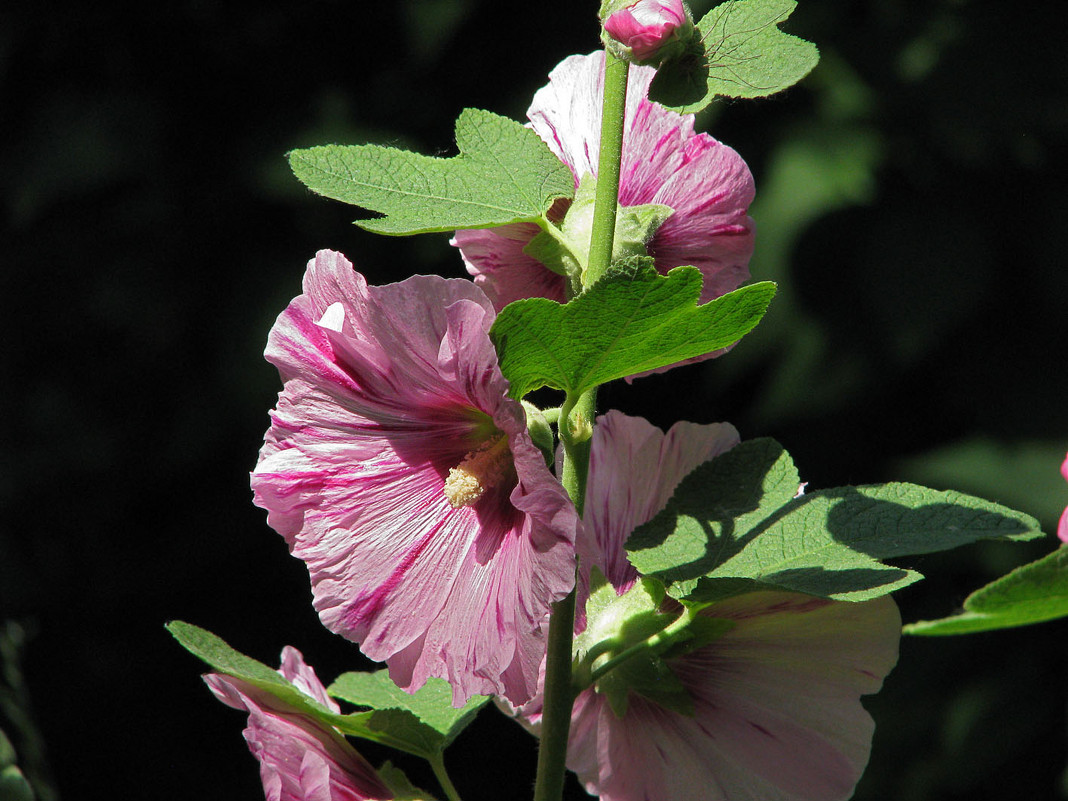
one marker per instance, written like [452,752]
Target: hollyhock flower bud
[1062,529]
[649,30]
[301,759]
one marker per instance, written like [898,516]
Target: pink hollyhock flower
[776,699]
[398,469]
[664,162]
[1062,529]
[646,26]
[301,759]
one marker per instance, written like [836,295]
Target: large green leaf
[504,174]
[733,525]
[741,53]
[1033,593]
[400,729]
[630,321]
[431,706]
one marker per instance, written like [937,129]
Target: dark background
[911,203]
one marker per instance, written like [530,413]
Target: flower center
[482,469]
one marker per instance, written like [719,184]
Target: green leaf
[13,785]
[504,174]
[401,787]
[1033,593]
[427,714]
[740,53]
[730,528]
[630,321]
[399,729]
[213,650]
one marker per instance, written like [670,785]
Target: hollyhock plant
[301,759]
[1062,529]
[645,27]
[665,163]
[399,471]
[773,699]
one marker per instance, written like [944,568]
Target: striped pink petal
[664,162]
[387,389]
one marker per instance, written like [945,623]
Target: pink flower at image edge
[1062,529]
[301,759]
[646,25]
[389,392]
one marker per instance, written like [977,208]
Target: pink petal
[1062,528]
[707,184]
[301,759]
[495,257]
[777,709]
[380,401]
[628,452]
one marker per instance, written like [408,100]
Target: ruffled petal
[387,389]
[495,257]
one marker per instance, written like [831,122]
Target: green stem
[650,644]
[556,710]
[437,764]
[575,428]
[608,163]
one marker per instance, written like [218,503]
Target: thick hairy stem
[608,162]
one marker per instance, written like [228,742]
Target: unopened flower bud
[648,30]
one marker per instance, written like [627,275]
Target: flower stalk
[575,428]
[653,644]
[608,164]
[437,764]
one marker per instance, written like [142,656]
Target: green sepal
[541,433]
[1032,593]
[399,784]
[739,52]
[631,321]
[13,785]
[504,174]
[649,676]
[730,528]
[566,251]
[613,624]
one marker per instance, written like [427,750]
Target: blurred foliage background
[911,203]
